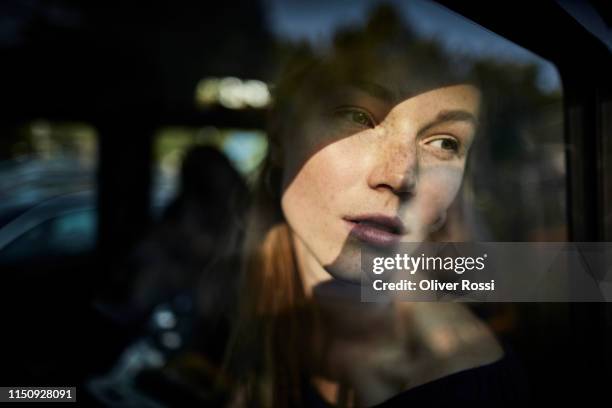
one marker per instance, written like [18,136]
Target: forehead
[396,75]
[388,83]
[366,91]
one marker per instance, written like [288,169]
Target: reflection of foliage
[43,159]
[513,100]
[518,157]
[40,139]
[514,167]
[172,143]
[177,139]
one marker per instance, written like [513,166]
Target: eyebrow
[450,116]
[374,89]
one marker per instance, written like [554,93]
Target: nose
[396,169]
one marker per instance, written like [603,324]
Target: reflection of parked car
[50,268]
[60,226]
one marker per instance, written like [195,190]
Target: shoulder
[500,383]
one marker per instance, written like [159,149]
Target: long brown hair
[270,337]
[273,348]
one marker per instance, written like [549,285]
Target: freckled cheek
[437,188]
[311,199]
[314,203]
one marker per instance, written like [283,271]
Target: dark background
[128,71]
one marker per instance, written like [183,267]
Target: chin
[346,267]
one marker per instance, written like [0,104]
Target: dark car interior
[109,98]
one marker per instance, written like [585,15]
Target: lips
[377,230]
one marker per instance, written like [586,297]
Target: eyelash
[456,145]
[366,120]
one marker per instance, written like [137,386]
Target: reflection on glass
[394,122]
[47,178]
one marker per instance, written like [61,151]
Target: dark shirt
[501,383]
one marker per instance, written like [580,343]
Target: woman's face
[363,170]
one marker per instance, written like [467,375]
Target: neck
[312,274]
[310,270]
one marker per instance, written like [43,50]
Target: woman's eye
[447,143]
[357,116]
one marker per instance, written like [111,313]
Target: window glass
[519,154]
[47,169]
[68,234]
